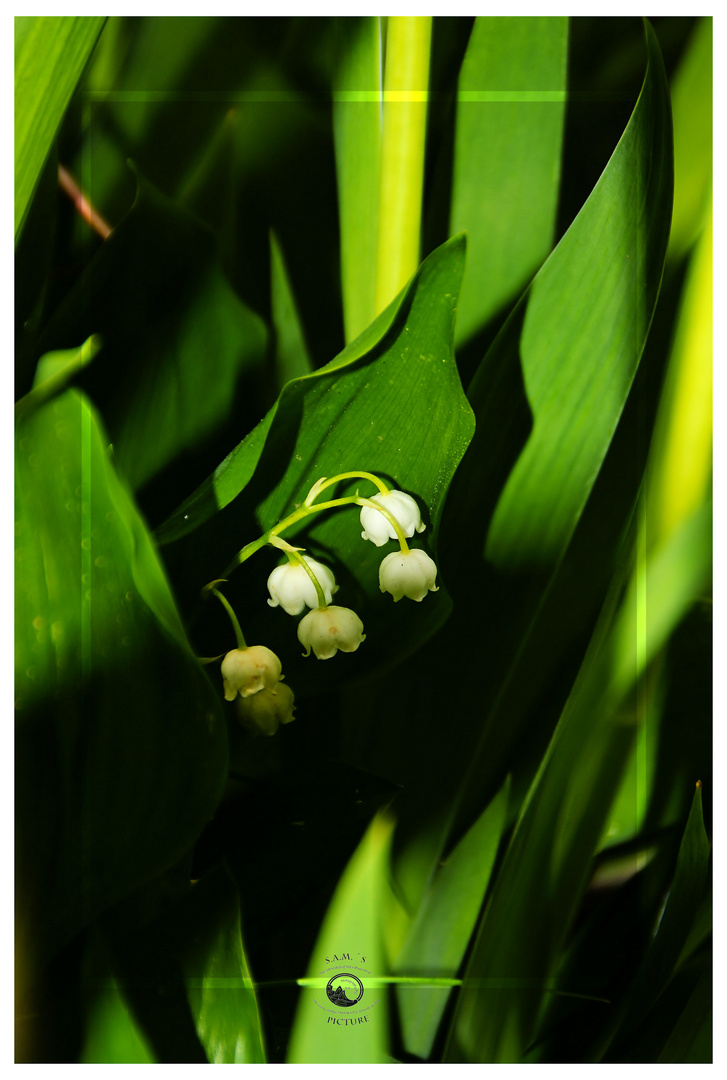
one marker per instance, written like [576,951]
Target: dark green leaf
[291,355]
[178,341]
[681,909]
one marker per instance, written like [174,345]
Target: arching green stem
[329,481]
[241,643]
[305,511]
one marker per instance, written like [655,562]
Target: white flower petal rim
[291,588]
[402,507]
[326,630]
[410,574]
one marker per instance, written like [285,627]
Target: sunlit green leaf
[443,926]
[510,114]
[692,107]
[50,55]
[352,925]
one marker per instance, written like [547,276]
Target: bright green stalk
[406,83]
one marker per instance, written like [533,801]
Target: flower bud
[290,586]
[326,630]
[249,671]
[401,506]
[410,573]
[263,713]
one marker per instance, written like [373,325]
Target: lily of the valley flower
[250,671]
[401,506]
[410,573]
[292,588]
[264,712]
[328,629]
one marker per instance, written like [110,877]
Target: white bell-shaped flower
[402,507]
[264,712]
[249,671]
[292,589]
[326,630]
[410,573]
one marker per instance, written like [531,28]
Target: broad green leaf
[324,1033]
[177,339]
[366,410]
[691,97]
[357,107]
[548,861]
[509,132]
[440,932]
[291,353]
[50,55]
[423,309]
[120,743]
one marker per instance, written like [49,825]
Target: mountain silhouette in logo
[338,997]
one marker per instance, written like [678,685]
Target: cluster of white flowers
[326,629]
[253,676]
